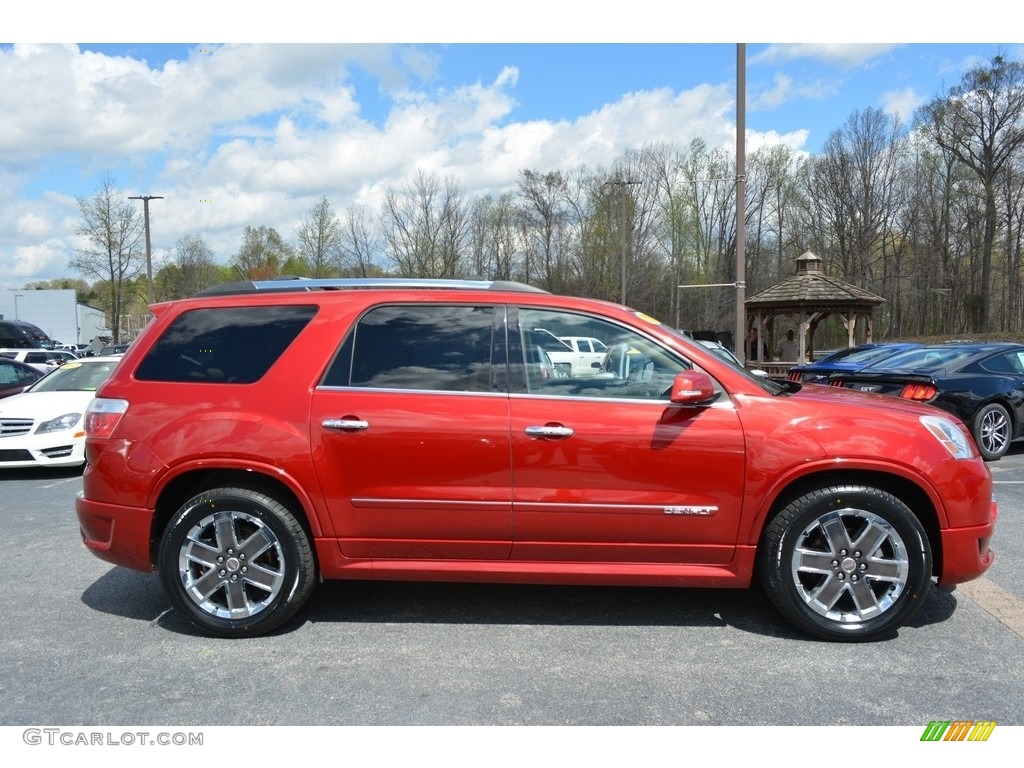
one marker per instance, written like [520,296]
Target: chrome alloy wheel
[850,565]
[994,431]
[231,564]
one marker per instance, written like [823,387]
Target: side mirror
[692,388]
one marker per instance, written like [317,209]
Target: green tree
[262,255]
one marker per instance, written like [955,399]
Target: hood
[44,405]
[827,395]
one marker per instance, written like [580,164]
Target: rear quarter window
[225,345]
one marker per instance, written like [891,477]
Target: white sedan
[42,427]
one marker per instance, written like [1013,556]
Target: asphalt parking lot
[88,644]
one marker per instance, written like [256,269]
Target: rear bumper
[117,534]
[966,553]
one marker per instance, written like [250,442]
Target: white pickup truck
[574,356]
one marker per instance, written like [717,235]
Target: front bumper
[57,449]
[966,552]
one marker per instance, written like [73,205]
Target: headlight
[951,435]
[59,424]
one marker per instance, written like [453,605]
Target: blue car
[848,360]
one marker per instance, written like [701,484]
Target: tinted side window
[15,374]
[232,345]
[1009,363]
[430,347]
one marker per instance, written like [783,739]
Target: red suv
[262,436]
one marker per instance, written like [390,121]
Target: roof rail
[290,284]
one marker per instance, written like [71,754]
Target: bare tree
[980,123]
[493,237]
[772,173]
[645,284]
[544,224]
[360,242]
[426,226]
[594,262]
[111,230]
[196,264]
[320,239]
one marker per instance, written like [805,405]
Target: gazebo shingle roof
[812,290]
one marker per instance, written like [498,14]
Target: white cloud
[785,90]
[795,140]
[254,135]
[33,225]
[902,103]
[842,55]
[28,262]
[60,98]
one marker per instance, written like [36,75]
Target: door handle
[345,424]
[550,430]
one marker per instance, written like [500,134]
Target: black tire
[236,562]
[847,563]
[992,430]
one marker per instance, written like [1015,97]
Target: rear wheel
[846,563]
[992,430]
[236,562]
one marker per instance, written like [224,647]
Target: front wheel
[846,563]
[992,430]
[236,562]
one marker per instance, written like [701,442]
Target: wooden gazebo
[810,296]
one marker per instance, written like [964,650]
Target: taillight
[102,416]
[920,392]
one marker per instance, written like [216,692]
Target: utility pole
[620,199]
[741,199]
[149,251]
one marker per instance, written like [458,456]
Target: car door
[410,435]
[607,469]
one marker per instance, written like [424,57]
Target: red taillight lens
[920,392]
[102,416]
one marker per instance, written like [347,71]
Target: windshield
[75,377]
[871,354]
[726,355]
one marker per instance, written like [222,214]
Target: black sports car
[982,383]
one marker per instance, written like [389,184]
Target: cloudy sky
[253,132]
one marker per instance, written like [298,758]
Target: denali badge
[693,511]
